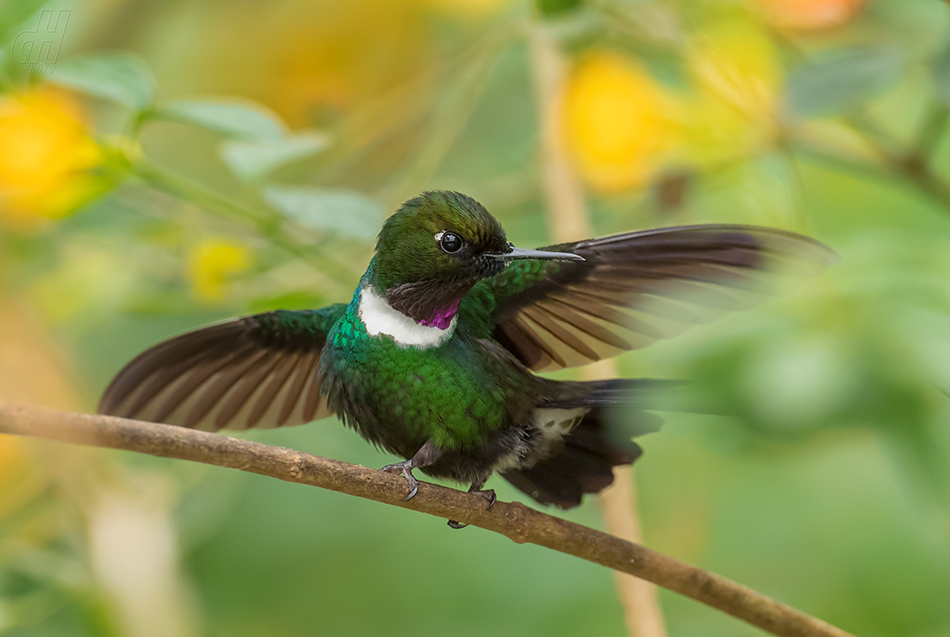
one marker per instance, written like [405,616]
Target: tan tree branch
[568,220]
[511,519]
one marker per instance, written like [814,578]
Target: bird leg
[476,488]
[426,455]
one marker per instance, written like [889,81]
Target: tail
[587,454]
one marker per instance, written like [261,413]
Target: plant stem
[931,130]
[568,220]
[268,223]
[905,166]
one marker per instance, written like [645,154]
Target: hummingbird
[436,358]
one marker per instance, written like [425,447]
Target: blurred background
[167,163]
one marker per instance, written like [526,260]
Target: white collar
[380,318]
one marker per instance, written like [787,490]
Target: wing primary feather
[159,357]
[244,372]
[650,284]
[148,388]
[149,384]
[312,399]
[274,384]
[543,318]
[513,335]
[218,387]
[301,373]
[601,307]
[543,346]
[568,314]
[192,380]
[728,276]
[697,294]
[245,387]
[627,321]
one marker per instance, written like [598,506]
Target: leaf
[250,160]
[940,67]
[13,21]
[118,77]
[555,8]
[240,119]
[836,80]
[330,210]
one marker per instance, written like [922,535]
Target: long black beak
[517,253]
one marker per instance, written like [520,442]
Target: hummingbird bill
[436,358]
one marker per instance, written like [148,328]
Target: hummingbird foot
[427,455]
[488,494]
[405,468]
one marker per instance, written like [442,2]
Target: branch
[511,519]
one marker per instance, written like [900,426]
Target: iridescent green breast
[455,394]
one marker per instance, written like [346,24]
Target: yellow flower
[617,121]
[211,265]
[734,60]
[809,14]
[45,157]
[737,80]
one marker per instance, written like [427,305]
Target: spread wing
[258,371]
[637,288]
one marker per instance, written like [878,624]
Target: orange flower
[617,123]
[809,14]
[45,157]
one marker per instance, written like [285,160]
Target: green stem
[931,130]
[838,160]
[268,223]
[456,107]
[904,169]
[910,165]
[196,193]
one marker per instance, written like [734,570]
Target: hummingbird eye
[449,242]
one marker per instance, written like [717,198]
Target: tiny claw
[404,468]
[488,494]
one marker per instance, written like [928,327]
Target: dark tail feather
[645,393]
[599,443]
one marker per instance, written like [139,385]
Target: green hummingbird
[434,358]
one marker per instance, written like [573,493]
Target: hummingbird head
[432,251]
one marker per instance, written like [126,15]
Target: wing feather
[259,371]
[636,288]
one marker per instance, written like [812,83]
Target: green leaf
[118,77]
[249,160]
[837,80]
[940,67]
[329,210]
[13,24]
[552,8]
[240,119]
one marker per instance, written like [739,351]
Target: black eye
[450,242]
